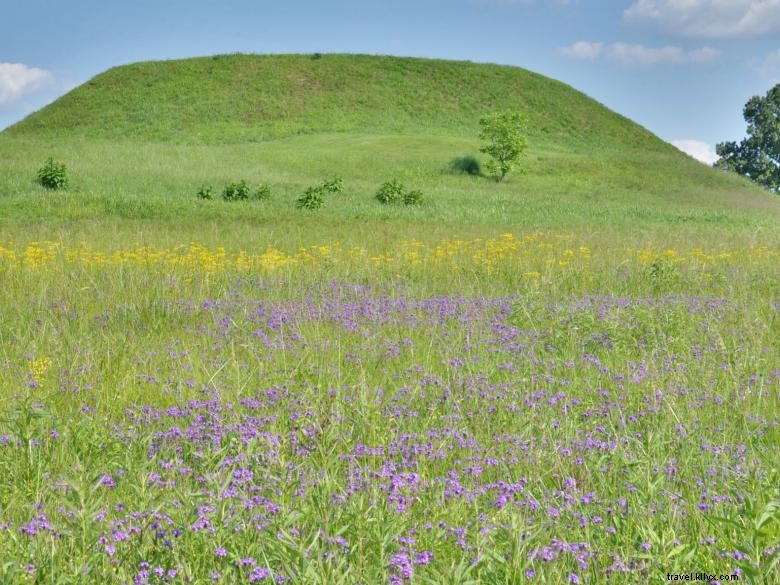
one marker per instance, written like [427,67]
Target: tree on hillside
[758,155]
[506,141]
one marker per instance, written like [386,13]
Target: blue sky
[682,68]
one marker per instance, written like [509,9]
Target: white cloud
[632,54]
[701,151]
[710,19]
[17,79]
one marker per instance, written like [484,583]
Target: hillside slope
[139,140]
[239,98]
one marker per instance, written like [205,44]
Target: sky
[682,68]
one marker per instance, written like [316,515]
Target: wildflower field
[571,376]
[528,407]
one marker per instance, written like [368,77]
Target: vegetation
[313,197]
[311,200]
[262,192]
[504,133]
[53,175]
[394,192]
[205,192]
[236,191]
[575,380]
[390,192]
[757,156]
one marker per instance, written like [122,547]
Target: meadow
[570,377]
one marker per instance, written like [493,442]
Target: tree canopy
[758,155]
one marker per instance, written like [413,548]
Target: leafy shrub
[465,165]
[236,191]
[262,192]
[311,199]
[335,185]
[205,192]
[414,197]
[53,175]
[394,192]
[390,192]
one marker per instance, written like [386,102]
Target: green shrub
[205,192]
[390,192]
[394,192]
[335,185]
[53,175]
[262,192]
[236,191]
[311,199]
[414,197]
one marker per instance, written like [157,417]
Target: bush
[335,185]
[465,165]
[311,199]
[413,197]
[236,192]
[53,175]
[394,192]
[390,192]
[262,192]
[205,192]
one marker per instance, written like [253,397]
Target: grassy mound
[139,140]
[240,98]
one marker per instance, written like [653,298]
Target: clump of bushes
[239,191]
[393,192]
[236,191]
[53,175]
[311,200]
[313,197]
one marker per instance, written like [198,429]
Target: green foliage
[414,197]
[393,192]
[311,200]
[313,197]
[335,185]
[262,193]
[390,192]
[506,141]
[757,156]
[465,165]
[53,175]
[236,191]
[205,192]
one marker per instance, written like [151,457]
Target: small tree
[506,141]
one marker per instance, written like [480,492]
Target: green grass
[249,98]
[597,396]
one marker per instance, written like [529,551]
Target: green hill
[238,98]
[140,139]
